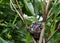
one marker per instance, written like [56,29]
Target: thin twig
[33,40]
[21,15]
[42,33]
[11,6]
[45,15]
[15,9]
[48,5]
[20,10]
[53,33]
[44,21]
[49,13]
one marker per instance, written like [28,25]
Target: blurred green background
[13,30]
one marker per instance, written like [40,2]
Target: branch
[49,13]
[58,27]
[11,6]
[20,10]
[42,33]
[45,15]
[43,23]
[48,5]
[33,40]
[51,35]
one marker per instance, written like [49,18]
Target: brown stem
[58,27]
[49,13]
[45,15]
[11,6]
[48,5]
[33,40]
[42,33]
[55,1]
[51,35]
[20,11]
[43,23]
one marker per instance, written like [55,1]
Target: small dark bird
[35,30]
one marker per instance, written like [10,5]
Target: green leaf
[29,7]
[2,24]
[5,30]
[2,40]
[28,38]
